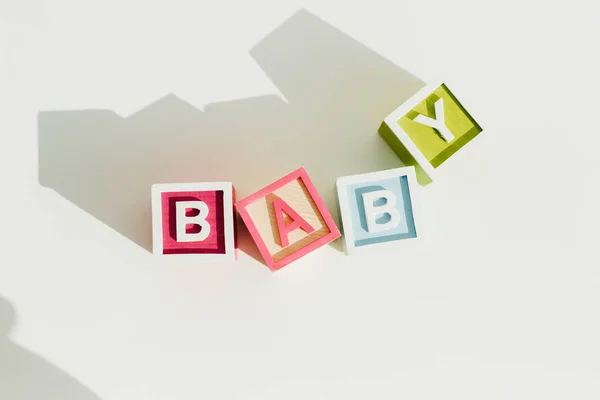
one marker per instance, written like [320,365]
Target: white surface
[499,299]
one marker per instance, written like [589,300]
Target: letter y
[438,123]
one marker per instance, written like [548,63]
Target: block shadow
[337,90]
[26,376]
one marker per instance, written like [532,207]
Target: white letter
[371,212]
[438,123]
[200,220]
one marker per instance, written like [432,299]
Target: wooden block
[429,128]
[378,207]
[287,219]
[194,220]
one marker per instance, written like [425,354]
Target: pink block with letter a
[287,219]
[194,220]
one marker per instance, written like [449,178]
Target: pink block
[206,228]
[287,219]
[214,244]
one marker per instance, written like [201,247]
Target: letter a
[281,207]
[183,220]
[438,123]
[371,211]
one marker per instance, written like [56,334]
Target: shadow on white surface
[26,376]
[337,90]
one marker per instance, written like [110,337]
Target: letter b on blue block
[377,207]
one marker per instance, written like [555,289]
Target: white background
[498,299]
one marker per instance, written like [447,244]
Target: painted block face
[428,129]
[194,219]
[287,219]
[378,207]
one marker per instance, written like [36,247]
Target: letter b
[372,211]
[182,220]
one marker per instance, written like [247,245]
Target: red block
[194,219]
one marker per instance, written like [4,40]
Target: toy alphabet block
[428,129]
[378,207]
[287,219]
[194,220]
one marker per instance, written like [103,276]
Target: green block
[420,145]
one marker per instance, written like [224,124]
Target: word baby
[288,219]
